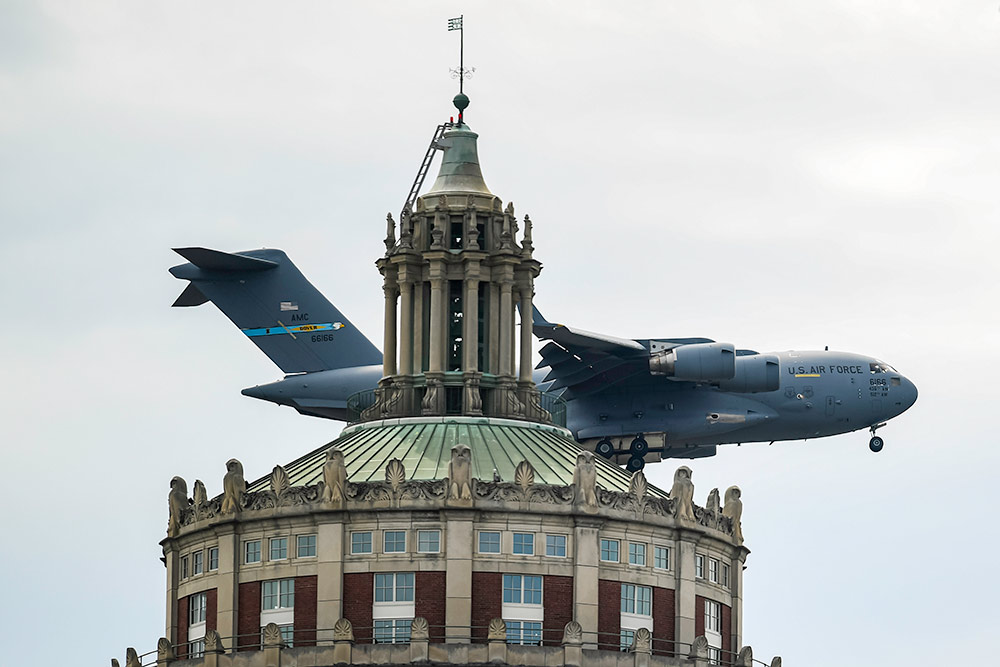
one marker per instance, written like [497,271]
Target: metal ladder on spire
[418,182]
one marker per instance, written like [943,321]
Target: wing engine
[700,362]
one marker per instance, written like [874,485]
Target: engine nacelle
[754,373]
[700,362]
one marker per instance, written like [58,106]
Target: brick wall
[487,601]
[664,612]
[726,623]
[699,616]
[305,611]
[359,593]
[429,601]
[248,616]
[609,620]
[557,601]
[211,609]
[182,627]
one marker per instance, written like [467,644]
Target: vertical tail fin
[268,298]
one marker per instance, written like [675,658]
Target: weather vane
[462,73]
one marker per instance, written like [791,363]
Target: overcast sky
[779,175]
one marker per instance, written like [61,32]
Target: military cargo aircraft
[665,398]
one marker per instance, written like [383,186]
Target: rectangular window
[489,543]
[626,639]
[213,559]
[637,600]
[522,589]
[305,546]
[713,616]
[524,543]
[429,541]
[279,548]
[394,541]
[394,587]
[277,594]
[714,655]
[251,551]
[636,553]
[393,631]
[524,632]
[197,605]
[699,566]
[555,545]
[361,543]
[609,551]
[713,570]
[725,575]
[197,562]
[661,558]
[196,648]
[184,567]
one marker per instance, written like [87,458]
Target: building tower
[454,282]
[453,522]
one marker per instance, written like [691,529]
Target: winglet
[538,319]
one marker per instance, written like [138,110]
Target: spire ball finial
[461,102]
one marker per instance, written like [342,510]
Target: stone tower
[454,282]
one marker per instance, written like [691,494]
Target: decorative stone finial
[526,243]
[572,633]
[524,476]
[497,631]
[682,493]
[637,486]
[395,475]
[699,648]
[585,480]
[132,658]
[200,495]
[164,650]
[233,487]
[343,631]
[776,661]
[334,477]
[114,662]
[419,629]
[745,657]
[641,641]
[460,473]
[177,500]
[213,642]
[390,232]
[733,511]
[272,635]
[279,481]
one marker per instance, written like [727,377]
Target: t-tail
[268,298]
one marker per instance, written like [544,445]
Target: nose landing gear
[876,443]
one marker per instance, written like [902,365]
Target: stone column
[493,330]
[436,333]
[586,547]
[227,576]
[686,591]
[172,560]
[389,339]
[458,577]
[525,374]
[736,588]
[418,328]
[406,328]
[506,327]
[470,326]
[330,577]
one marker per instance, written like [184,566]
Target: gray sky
[780,175]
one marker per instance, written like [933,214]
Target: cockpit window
[880,367]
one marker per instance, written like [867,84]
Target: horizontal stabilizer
[191,296]
[216,260]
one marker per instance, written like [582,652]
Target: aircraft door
[831,405]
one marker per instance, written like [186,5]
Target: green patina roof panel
[424,447]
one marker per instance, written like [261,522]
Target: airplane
[669,397]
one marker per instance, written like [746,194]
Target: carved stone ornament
[279,481]
[585,480]
[132,658]
[572,633]
[682,493]
[430,401]
[178,502]
[395,475]
[699,647]
[776,662]
[390,232]
[213,642]
[272,635]
[497,630]
[334,477]
[712,504]
[114,662]
[343,631]
[164,650]
[733,510]
[200,496]
[460,473]
[524,477]
[745,657]
[637,486]
[641,641]
[233,487]
[419,630]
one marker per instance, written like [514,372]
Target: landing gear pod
[639,446]
[605,448]
[876,443]
[635,464]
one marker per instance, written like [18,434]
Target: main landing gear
[637,449]
[876,443]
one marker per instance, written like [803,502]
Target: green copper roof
[424,445]
[460,172]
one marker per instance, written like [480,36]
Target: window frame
[358,542]
[395,587]
[395,542]
[499,542]
[202,607]
[508,583]
[630,596]
[551,544]
[637,552]
[519,635]
[437,541]
[283,594]
[699,566]
[396,630]
[530,544]
[608,541]
[213,559]
[657,549]
[311,544]
[279,544]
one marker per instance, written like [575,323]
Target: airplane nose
[908,395]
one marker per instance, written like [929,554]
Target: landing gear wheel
[635,464]
[639,446]
[875,444]
[605,448]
